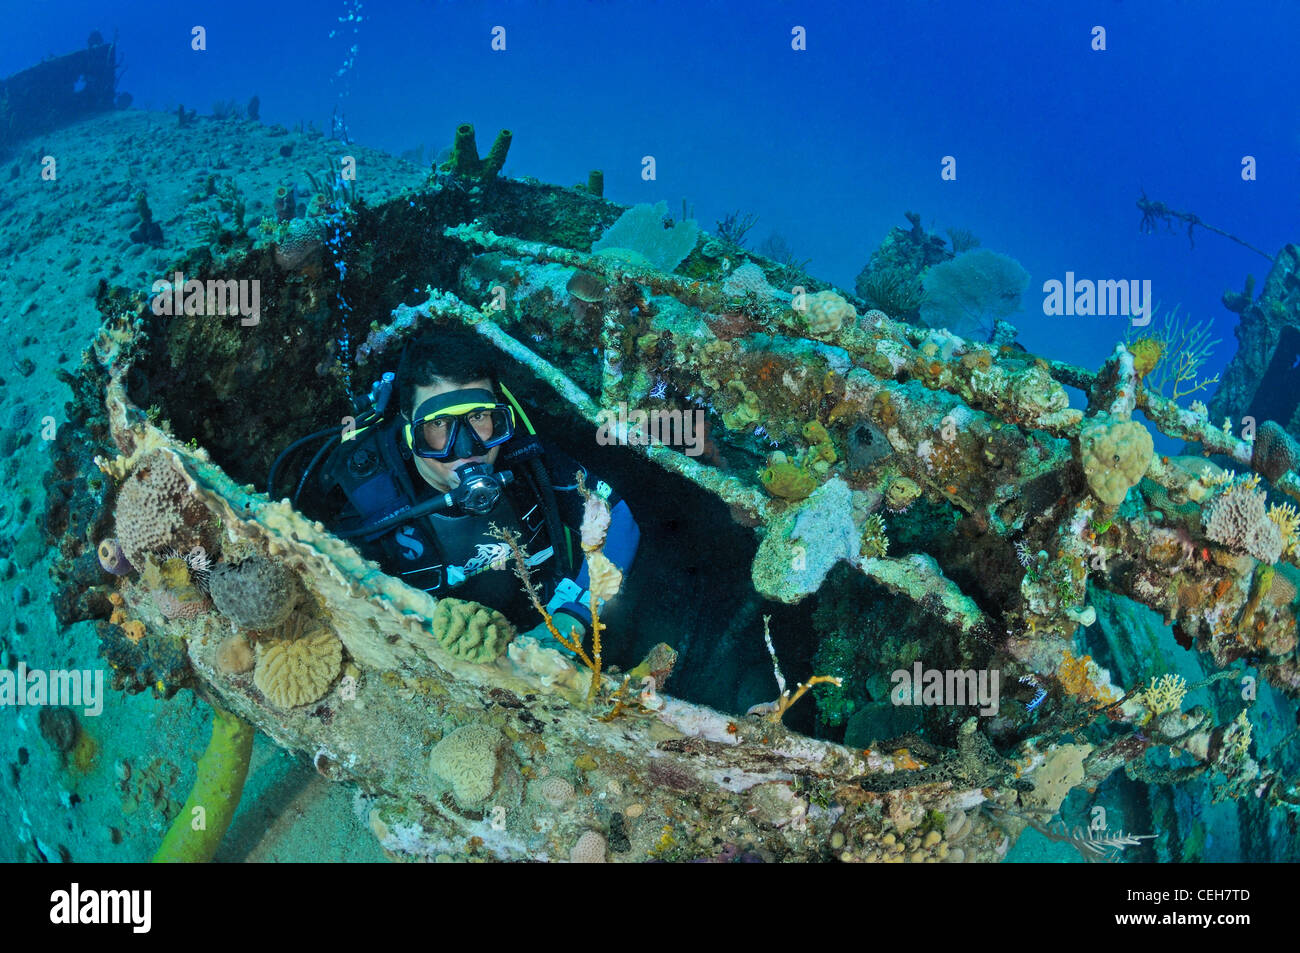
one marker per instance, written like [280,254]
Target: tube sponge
[1115,457]
[215,795]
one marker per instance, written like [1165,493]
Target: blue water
[829,146]
[1054,141]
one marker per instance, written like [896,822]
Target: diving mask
[459,424]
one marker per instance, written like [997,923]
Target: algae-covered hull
[507,758]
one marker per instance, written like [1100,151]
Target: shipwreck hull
[682,782]
[978,435]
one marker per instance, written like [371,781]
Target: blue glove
[569,627]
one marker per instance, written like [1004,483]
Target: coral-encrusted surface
[987,506]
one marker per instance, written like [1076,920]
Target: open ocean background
[828,147]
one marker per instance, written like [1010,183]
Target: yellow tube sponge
[197,831]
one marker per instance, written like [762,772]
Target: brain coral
[293,672]
[467,761]
[1115,457]
[256,593]
[471,631]
[1275,451]
[155,511]
[1238,520]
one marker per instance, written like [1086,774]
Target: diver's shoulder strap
[368,469]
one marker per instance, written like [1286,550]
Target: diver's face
[439,473]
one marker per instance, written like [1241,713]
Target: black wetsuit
[455,553]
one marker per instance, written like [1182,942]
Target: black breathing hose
[270,480]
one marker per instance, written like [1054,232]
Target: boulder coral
[827,312]
[589,849]
[1115,457]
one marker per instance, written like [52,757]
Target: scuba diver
[419,493]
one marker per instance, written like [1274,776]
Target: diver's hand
[571,628]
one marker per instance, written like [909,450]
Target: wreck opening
[919,500]
[246,393]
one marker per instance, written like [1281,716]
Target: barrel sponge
[1275,451]
[293,672]
[467,761]
[1238,520]
[1115,457]
[256,593]
[470,631]
[155,511]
